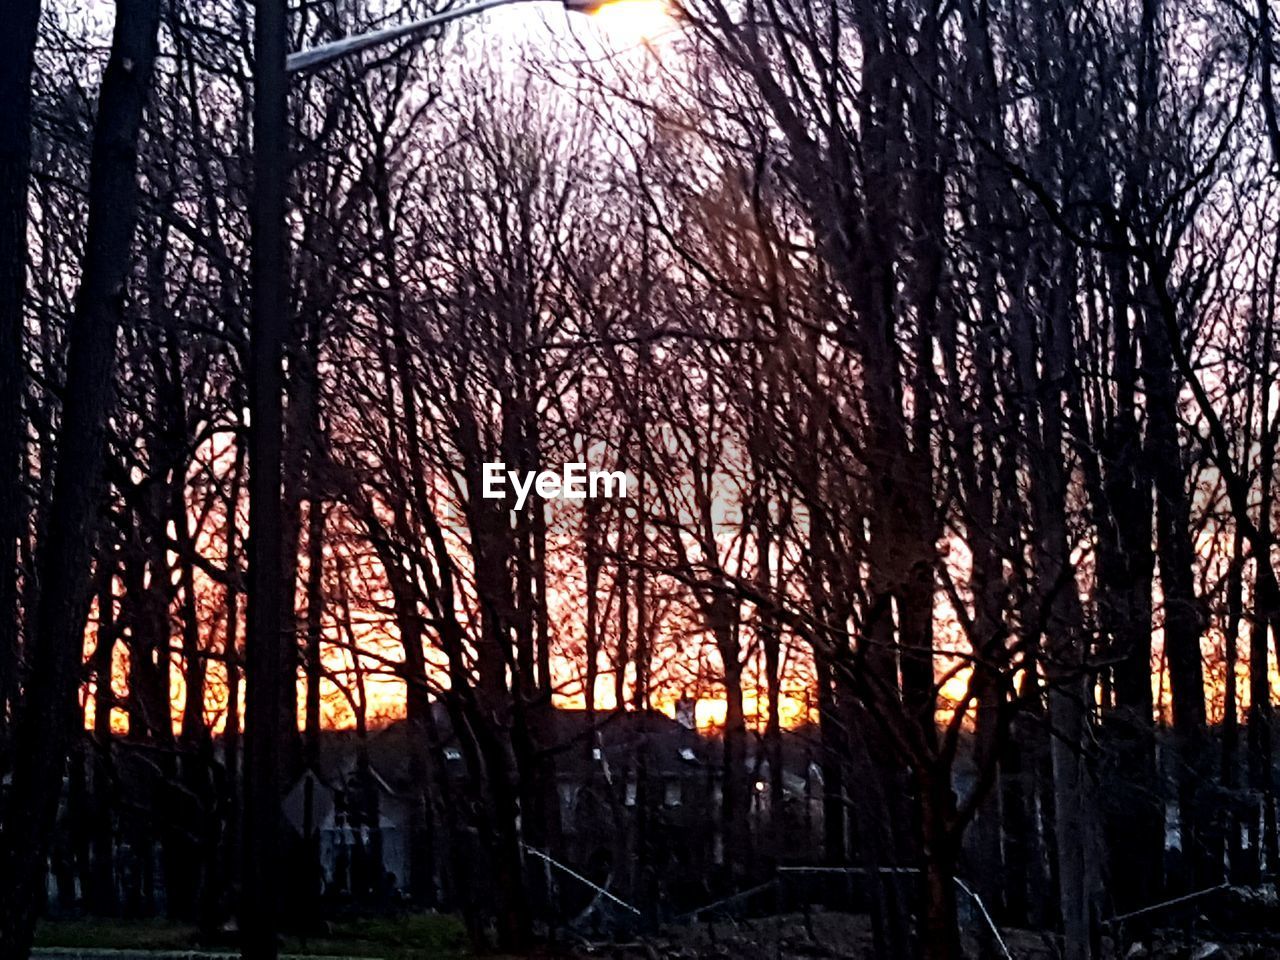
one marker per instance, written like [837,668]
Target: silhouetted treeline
[938,341]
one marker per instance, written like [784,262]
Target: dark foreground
[816,936]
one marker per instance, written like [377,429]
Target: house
[636,791]
[361,829]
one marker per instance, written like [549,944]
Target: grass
[412,937]
[115,934]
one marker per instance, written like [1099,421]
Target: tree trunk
[1067,715]
[941,928]
[1183,618]
[1230,771]
[48,712]
[17,49]
[835,844]
[735,797]
[315,612]
[101,889]
[231,653]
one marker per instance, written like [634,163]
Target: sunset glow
[634,21]
[715,477]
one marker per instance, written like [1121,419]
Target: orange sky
[686,663]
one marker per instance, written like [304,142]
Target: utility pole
[267,681]
[270,698]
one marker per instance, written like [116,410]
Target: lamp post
[269,705]
[327,53]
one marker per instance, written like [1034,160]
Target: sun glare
[634,20]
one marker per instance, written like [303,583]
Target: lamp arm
[327,53]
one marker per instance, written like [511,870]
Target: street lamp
[327,53]
[270,679]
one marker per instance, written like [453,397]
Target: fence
[788,890]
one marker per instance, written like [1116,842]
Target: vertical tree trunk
[101,889]
[771,641]
[195,732]
[1067,715]
[623,651]
[941,934]
[295,440]
[1266,623]
[835,843]
[315,611]
[593,564]
[1230,772]
[736,796]
[313,878]
[1183,619]
[1258,732]
[230,866]
[1057,600]
[17,51]
[48,712]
